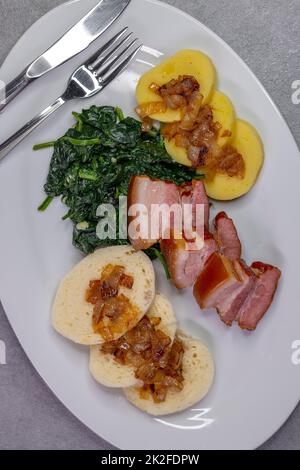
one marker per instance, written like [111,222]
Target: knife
[74,41]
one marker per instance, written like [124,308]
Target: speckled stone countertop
[266,34]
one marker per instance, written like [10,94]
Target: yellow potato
[249,145]
[185,62]
[224,113]
[179,154]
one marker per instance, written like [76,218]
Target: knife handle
[15,139]
[13,88]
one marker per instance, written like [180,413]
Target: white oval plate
[257,386]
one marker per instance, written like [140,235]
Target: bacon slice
[185,261]
[236,291]
[194,193]
[227,237]
[229,305]
[186,258]
[261,297]
[147,192]
[218,279]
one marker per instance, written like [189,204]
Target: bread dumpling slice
[72,314]
[104,367]
[198,373]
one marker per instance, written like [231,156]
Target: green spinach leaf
[93,164]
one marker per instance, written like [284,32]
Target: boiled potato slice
[185,62]
[224,113]
[179,154]
[249,145]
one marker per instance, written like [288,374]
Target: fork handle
[15,139]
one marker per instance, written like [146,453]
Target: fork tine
[100,72]
[102,60]
[112,74]
[104,48]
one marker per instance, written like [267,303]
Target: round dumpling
[198,373]
[72,315]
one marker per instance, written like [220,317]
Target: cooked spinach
[93,163]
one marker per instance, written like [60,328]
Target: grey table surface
[266,34]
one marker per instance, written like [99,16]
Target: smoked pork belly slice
[216,281]
[143,190]
[147,192]
[184,260]
[229,303]
[227,237]
[261,297]
[194,193]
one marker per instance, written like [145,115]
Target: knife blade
[74,41]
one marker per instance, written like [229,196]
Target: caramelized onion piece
[231,163]
[196,132]
[110,281]
[175,95]
[182,140]
[173,101]
[147,124]
[153,107]
[93,294]
[170,130]
[157,362]
[143,344]
[190,117]
[112,316]
[126,281]
[155,321]
[226,133]
[158,382]
[193,155]
[184,85]
[155,88]
[109,306]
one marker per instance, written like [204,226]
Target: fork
[88,80]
